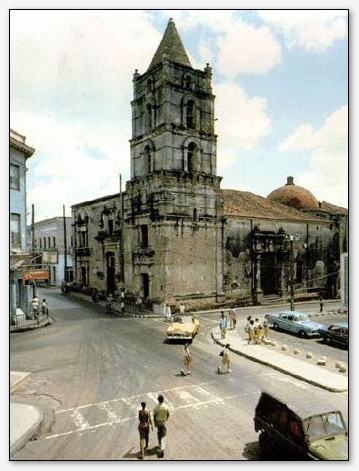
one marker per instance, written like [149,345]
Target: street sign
[36,274]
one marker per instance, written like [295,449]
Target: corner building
[174,234]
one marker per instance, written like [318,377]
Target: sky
[280,78]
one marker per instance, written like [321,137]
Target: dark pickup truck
[299,433]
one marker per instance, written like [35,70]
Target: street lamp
[291,238]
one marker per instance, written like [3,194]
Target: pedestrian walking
[44,308]
[251,331]
[35,307]
[122,300]
[257,331]
[232,318]
[187,360]
[321,303]
[246,328]
[161,414]
[182,308]
[168,313]
[109,302]
[144,426]
[265,327]
[223,325]
[225,360]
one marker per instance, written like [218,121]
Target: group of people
[161,411]
[35,307]
[161,414]
[223,322]
[223,367]
[256,330]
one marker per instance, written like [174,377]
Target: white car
[295,322]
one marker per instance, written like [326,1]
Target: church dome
[294,196]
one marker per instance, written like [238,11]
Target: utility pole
[33,246]
[291,275]
[291,239]
[65,243]
[32,230]
[122,264]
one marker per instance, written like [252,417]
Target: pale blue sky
[280,78]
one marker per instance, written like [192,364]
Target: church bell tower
[174,208]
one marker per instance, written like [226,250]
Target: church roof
[294,196]
[246,204]
[171,45]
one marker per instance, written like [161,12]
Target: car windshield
[183,320]
[324,425]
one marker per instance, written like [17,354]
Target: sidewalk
[25,419]
[267,355]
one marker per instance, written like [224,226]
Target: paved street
[89,372]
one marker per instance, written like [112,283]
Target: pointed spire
[171,45]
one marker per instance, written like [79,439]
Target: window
[148,117]
[191,155]
[15,232]
[188,82]
[144,236]
[190,114]
[83,239]
[14,177]
[147,161]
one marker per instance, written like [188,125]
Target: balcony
[143,256]
[102,235]
[83,251]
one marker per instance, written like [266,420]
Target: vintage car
[303,431]
[295,322]
[183,328]
[337,333]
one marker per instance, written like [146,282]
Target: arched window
[147,160]
[149,85]
[190,114]
[148,117]
[191,157]
[187,82]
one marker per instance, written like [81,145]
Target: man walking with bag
[226,360]
[187,360]
[160,414]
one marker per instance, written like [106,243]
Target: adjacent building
[51,241]
[174,235]
[19,254]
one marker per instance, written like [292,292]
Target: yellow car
[183,328]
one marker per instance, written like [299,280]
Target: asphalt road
[90,371]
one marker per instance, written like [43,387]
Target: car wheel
[302,334]
[275,326]
[265,446]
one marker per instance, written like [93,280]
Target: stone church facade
[174,235]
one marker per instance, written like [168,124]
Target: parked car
[303,431]
[336,333]
[295,322]
[183,328]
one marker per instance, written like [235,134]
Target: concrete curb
[32,417]
[313,374]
